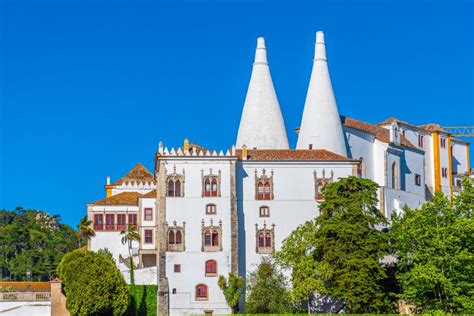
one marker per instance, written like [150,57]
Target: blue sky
[89,88]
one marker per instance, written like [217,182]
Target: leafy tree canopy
[232,289]
[34,240]
[267,291]
[93,284]
[435,247]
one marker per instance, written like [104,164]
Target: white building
[204,213]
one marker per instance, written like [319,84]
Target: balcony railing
[24,296]
[111,227]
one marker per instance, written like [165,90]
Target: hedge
[142,300]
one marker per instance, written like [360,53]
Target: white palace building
[203,213]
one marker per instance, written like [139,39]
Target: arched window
[207,187]
[211,209]
[261,240]
[201,292]
[179,238]
[263,186]
[211,184]
[175,184]
[395,175]
[211,268]
[268,240]
[171,237]
[215,238]
[264,211]
[214,187]
[265,239]
[207,238]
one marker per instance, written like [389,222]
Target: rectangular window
[421,141]
[148,236]
[121,222]
[417,179]
[444,172]
[132,219]
[148,214]
[109,221]
[443,142]
[98,222]
[177,268]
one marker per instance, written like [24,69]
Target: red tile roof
[139,174]
[380,133]
[151,194]
[124,198]
[290,154]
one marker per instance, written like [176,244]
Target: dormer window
[263,186]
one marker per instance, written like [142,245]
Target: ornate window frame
[268,246]
[214,182]
[320,183]
[209,232]
[174,177]
[174,230]
[264,181]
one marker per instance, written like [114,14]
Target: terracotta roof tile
[380,133]
[138,174]
[151,194]
[124,198]
[290,154]
[432,127]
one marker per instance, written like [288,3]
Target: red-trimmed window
[148,214]
[211,267]
[201,292]
[264,191]
[148,236]
[215,238]
[109,221]
[214,187]
[98,222]
[132,219]
[121,222]
[177,268]
[264,211]
[211,209]
[264,240]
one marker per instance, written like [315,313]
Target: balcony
[111,227]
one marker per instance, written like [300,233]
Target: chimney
[108,188]
[244,152]
[186,144]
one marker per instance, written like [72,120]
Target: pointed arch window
[211,268]
[175,184]
[211,184]
[176,237]
[265,238]
[395,175]
[264,186]
[211,237]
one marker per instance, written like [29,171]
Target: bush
[93,284]
[142,300]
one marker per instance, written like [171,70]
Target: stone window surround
[212,229]
[320,183]
[173,177]
[211,177]
[264,250]
[263,179]
[175,228]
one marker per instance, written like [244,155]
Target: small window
[174,291]
[443,142]
[403,133]
[201,292]
[264,211]
[132,219]
[421,141]
[177,268]
[444,172]
[211,268]
[417,179]
[148,236]
[148,214]
[211,209]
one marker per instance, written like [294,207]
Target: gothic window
[395,175]
[321,182]
[176,238]
[421,141]
[211,268]
[263,186]
[175,184]
[211,209]
[264,211]
[211,237]
[201,292]
[265,239]
[211,184]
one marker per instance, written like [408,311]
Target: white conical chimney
[262,124]
[321,126]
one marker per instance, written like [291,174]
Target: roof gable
[139,174]
[124,198]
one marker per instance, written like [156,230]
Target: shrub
[143,299]
[93,284]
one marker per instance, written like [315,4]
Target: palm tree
[128,236]
[84,229]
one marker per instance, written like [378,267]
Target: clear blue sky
[88,89]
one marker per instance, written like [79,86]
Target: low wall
[24,296]
[144,276]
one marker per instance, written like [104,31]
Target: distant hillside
[35,240]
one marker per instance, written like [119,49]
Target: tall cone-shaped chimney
[262,125]
[321,126]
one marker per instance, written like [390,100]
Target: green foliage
[338,254]
[84,231]
[267,291]
[34,240]
[435,247]
[232,289]
[143,300]
[93,284]
[128,236]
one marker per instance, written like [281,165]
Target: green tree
[232,289]
[267,291]
[84,230]
[93,284]
[128,236]
[435,248]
